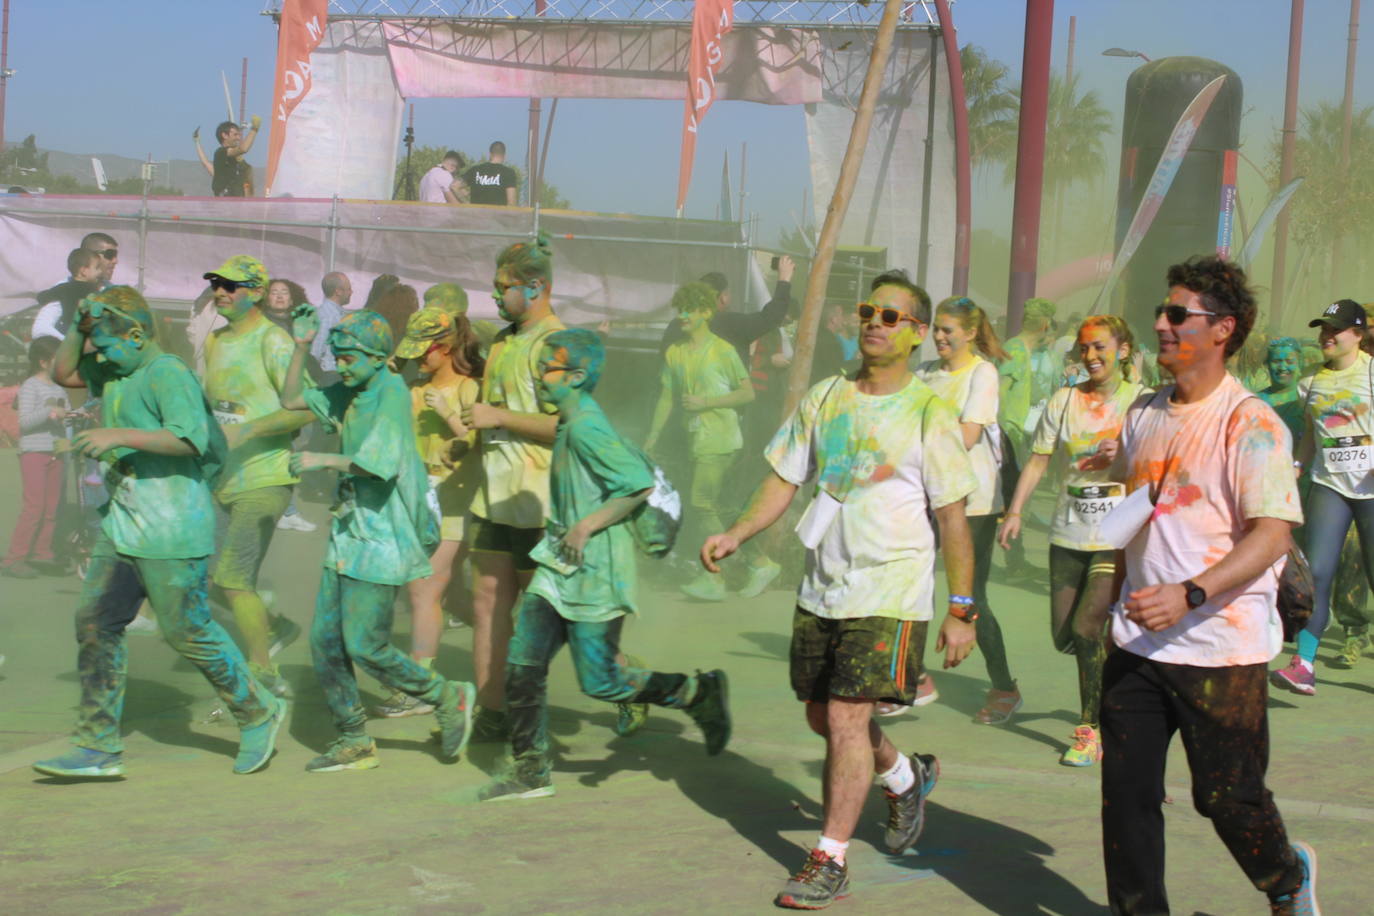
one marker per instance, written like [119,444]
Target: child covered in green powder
[585,581]
[381,536]
[159,448]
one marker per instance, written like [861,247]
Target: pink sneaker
[1297,677]
[925,691]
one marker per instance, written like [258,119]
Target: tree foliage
[424,158]
[1330,204]
[992,108]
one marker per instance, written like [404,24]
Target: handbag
[1297,593]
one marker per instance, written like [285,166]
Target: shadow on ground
[754,802]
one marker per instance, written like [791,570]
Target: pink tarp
[596,276]
[775,66]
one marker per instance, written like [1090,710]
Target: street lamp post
[1122,52]
[5,71]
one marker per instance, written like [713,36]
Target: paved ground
[646,824]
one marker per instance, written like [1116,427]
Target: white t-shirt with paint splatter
[885,458]
[1215,465]
[972,390]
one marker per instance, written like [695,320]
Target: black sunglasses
[230,286]
[1177,314]
[108,254]
[890,317]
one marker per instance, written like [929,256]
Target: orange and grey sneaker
[906,813]
[1086,748]
[1001,705]
[820,883]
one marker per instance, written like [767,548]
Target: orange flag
[302,27]
[711,19]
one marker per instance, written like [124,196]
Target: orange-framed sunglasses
[890,317]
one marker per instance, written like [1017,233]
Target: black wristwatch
[1197,596]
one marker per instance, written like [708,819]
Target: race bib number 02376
[1348,454]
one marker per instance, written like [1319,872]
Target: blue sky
[135,78]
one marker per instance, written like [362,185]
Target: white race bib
[1348,454]
[227,413]
[1088,505]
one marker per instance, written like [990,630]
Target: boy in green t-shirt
[157,532]
[245,371]
[381,536]
[704,377]
[584,584]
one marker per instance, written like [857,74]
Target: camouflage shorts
[863,658]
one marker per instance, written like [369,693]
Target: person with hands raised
[881,449]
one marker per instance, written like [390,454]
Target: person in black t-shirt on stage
[493,182]
[230,175]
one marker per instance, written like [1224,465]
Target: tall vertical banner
[711,20]
[301,29]
[1226,218]
[1180,139]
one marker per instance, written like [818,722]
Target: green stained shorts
[863,658]
[252,520]
[486,536]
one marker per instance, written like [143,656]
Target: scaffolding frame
[814,13]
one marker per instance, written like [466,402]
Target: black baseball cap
[1342,315]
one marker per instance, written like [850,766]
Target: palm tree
[1075,126]
[1332,206]
[992,108]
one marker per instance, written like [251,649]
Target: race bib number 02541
[1089,504]
[1348,454]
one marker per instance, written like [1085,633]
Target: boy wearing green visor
[381,537]
[159,449]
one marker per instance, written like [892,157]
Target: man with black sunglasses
[108,249]
[246,363]
[881,449]
[1196,625]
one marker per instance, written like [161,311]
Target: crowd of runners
[477,473]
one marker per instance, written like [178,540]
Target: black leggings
[989,633]
[1080,601]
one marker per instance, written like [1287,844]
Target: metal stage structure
[812,13]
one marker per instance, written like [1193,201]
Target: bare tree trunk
[809,325]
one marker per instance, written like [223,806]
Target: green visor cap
[422,329]
[241,268]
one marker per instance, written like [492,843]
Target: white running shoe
[144,626]
[296,522]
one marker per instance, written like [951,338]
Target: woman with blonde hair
[965,375]
[1080,427]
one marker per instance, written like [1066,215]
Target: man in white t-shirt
[881,449]
[1197,623]
[437,186]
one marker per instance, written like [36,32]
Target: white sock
[900,778]
[833,848]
